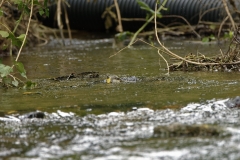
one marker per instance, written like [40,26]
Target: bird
[113,79]
[116,79]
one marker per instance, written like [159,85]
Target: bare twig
[168,52]
[164,60]
[119,27]
[190,26]
[59,20]
[16,78]
[207,11]
[221,25]
[67,22]
[229,15]
[221,52]
[2,2]
[25,37]
[121,50]
[167,29]
[156,34]
[235,8]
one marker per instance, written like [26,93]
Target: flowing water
[181,116]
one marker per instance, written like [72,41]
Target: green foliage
[15,83]
[212,27]
[13,75]
[228,35]
[149,18]
[7,74]
[4,34]
[146,7]
[208,38]
[15,40]
[123,35]
[6,81]
[29,85]
[22,6]
[20,68]
[5,70]
[43,10]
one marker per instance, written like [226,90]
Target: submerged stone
[30,115]
[235,102]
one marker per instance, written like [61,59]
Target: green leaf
[144,6]
[30,85]
[4,34]
[5,70]
[6,81]
[15,83]
[123,35]
[44,8]
[231,34]
[165,9]
[18,1]
[205,39]
[212,26]
[45,3]
[15,41]
[36,2]
[20,67]
[41,12]
[26,10]
[212,37]
[22,6]
[21,37]
[47,12]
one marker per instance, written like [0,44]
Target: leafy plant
[25,8]
[7,74]
[123,35]
[146,7]
[208,38]
[228,35]
[149,18]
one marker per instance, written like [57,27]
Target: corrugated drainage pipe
[86,14]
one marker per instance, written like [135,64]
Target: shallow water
[127,132]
